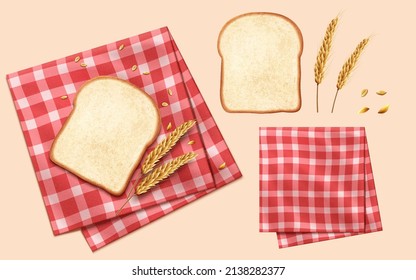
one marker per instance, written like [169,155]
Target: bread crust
[297,29]
[154,136]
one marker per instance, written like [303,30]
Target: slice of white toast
[260,70]
[109,129]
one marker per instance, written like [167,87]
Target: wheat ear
[348,67]
[323,55]
[161,150]
[165,146]
[171,167]
[163,172]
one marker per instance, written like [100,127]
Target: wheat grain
[163,172]
[363,110]
[381,92]
[364,92]
[383,109]
[165,146]
[348,67]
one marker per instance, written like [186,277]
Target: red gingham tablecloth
[101,234]
[72,203]
[316,184]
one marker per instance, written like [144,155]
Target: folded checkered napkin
[316,184]
[72,203]
[100,234]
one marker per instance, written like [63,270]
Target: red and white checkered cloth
[100,234]
[316,184]
[72,203]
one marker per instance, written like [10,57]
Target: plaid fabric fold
[316,184]
[160,71]
[100,234]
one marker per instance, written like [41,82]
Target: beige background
[225,224]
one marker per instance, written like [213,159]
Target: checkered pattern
[316,184]
[101,234]
[72,203]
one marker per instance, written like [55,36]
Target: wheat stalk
[323,55]
[348,67]
[161,150]
[162,172]
[129,196]
[165,146]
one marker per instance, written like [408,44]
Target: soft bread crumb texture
[110,127]
[260,64]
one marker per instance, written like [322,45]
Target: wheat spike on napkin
[163,172]
[165,146]
[160,151]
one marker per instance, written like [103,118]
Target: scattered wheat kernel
[363,110]
[222,166]
[63,97]
[191,142]
[165,104]
[83,65]
[121,47]
[381,92]
[170,92]
[169,126]
[383,109]
[146,73]
[77,59]
[134,67]
[364,92]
